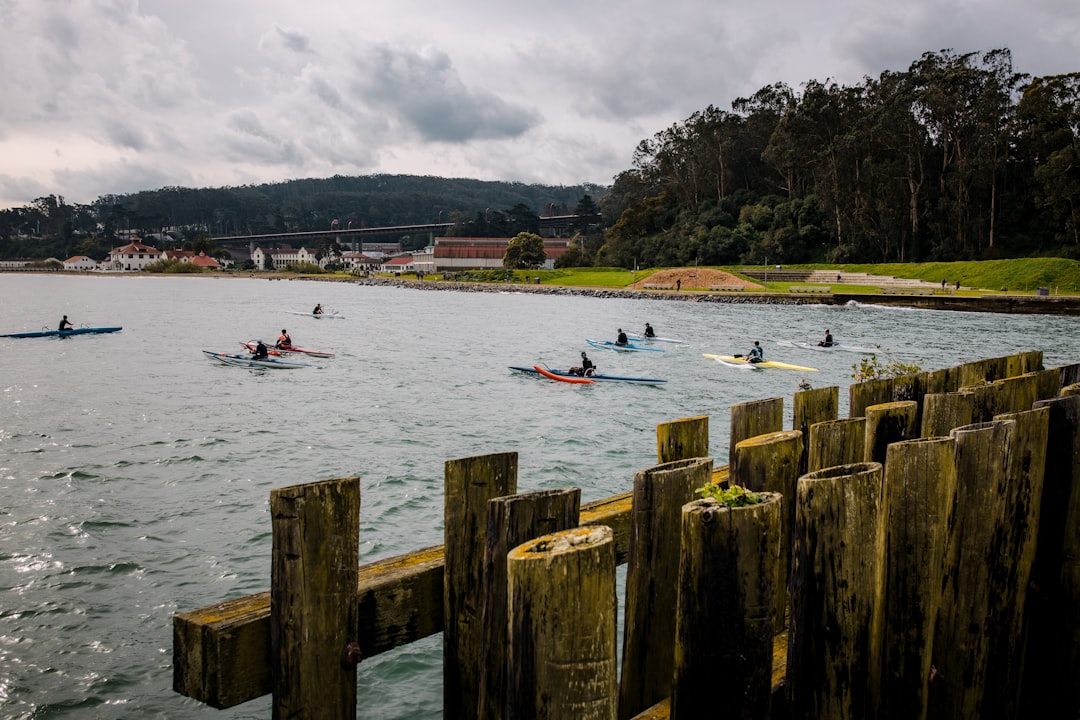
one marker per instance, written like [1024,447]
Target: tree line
[960,157]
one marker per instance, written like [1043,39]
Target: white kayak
[319,316]
[250,362]
[654,338]
[826,348]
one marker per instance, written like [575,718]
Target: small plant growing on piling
[871,368]
[733,496]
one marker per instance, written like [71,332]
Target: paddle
[736,356]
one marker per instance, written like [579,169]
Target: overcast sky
[116,96]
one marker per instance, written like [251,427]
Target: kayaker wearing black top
[587,367]
[828,341]
[65,325]
[261,353]
[621,339]
[756,354]
[284,342]
[649,331]
[317,310]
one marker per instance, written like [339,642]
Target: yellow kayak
[732,360]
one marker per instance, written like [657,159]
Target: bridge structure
[354,237]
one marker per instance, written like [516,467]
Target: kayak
[596,378]
[318,316]
[63,333]
[574,379]
[642,338]
[249,362]
[834,346]
[291,349]
[732,360]
[610,345]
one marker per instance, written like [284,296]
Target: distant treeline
[51,227]
[960,157]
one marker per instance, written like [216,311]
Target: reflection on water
[135,474]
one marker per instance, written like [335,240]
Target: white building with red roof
[80,262]
[134,256]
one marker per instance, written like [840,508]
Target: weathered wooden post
[889,423]
[1068,374]
[838,565]
[511,521]
[839,442]
[651,572]
[313,578]
[866,393]
[944,411]
[1022,363]
[682,439]
[1012,564]
[755,418]
[1052,662]
[727,576]
[770,463]
[468,484]
[920,483]
[561,644]
[960,641]
[811,407]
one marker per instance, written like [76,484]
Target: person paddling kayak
[756,354]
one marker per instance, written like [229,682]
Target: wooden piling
[315,556]
[869,392]
[755,418]
[834,638]
[1069,374]
[1011,560]
[682,439]
[1023,363]
[811,407]
[944,411]
[562,626]
[960,642]
[511,521]
[726,587]
[839,442]
[1052,661]
[468,484]
[889,423]
[651,573]
[770,463]
[920,483]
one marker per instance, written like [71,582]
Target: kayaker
[261,353]
[621,339]
[828,341]
[587,367]
[756,354]
[317,310]
[284,342]
[649,332]
[65,325]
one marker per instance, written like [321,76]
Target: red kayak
[563,378]
[292,348]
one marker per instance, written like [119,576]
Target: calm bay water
[135,474]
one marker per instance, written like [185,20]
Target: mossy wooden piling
[770,463]
[834,636]
[869,392]
[684,438]
[315,557]
[511,521]
[468,484]
[920,483]
[837,442]
[651,579]
[944,411]
[889,423]
[754,418]
[562,654]
[809,408]
[1015,540]
[726,588]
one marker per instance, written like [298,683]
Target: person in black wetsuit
[317,310]
[621,339]
[649,332]
[828,341]
[65,325]
[261,353]
[587,367]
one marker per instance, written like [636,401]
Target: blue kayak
[595,377]
[62,333]
[611,345]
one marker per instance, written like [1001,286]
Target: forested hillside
[959,157]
